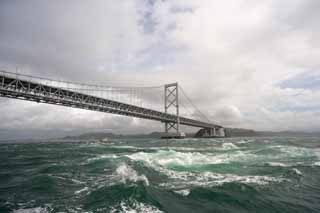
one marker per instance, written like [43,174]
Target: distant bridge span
[18,86]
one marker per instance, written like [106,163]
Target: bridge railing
[39,80]
[130,95]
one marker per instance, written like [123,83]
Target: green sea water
[151,175]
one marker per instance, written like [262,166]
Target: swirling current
[275,174]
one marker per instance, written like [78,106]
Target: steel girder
[14,87]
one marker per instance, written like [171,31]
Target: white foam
[297,171]
[228,146]
[245,141]
[178,148]
[164,162]
[171,158]
[175,158]
[124,147]
[276,164]
[242,142]
[135,207]
[182,179]
[317,152]
[290,151]
[316,163]
[77,181]
[208,179]
[31,210]
[93,144]
[125,173]
[228,178]
[183,192]
[101,157]
[81,190]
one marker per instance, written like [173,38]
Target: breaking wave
[183,192]
[276,164]
[126,174]
[166,162]
[32,210]
[173,158]
[208,179]
[134,206]
[100,157]
[81,190]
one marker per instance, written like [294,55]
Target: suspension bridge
[161,103]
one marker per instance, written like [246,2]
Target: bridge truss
[47,91]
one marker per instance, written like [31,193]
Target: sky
[245,63]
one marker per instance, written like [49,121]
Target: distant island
[230,132]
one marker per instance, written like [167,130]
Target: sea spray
[125,173]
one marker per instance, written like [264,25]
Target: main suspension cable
[193,105]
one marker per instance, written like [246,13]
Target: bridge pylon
[171,100]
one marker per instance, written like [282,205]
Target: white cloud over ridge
[229,56]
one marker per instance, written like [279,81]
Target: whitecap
[245,141]
[316,163]
[276,164]
[101,157]
[178,148]
[124,147]
[31,210]
[291,151]
[208,179]
[125,173]
[228,146]
[77,181]
[228,178]
[242,142]
[317,152]
[297,171]
[163,162]
[171,158]
[183,192]
[81,190]
[134,207]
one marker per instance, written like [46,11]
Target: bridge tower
[171,100]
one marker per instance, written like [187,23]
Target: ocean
[267,174]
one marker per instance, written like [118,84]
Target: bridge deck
[14,87]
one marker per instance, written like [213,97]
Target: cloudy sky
[246,63]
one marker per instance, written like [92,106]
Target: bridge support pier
[217,132]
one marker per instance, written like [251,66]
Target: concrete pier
[174,135]
[211,133]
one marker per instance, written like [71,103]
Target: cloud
[307,80]
[244,63]
[230,115]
